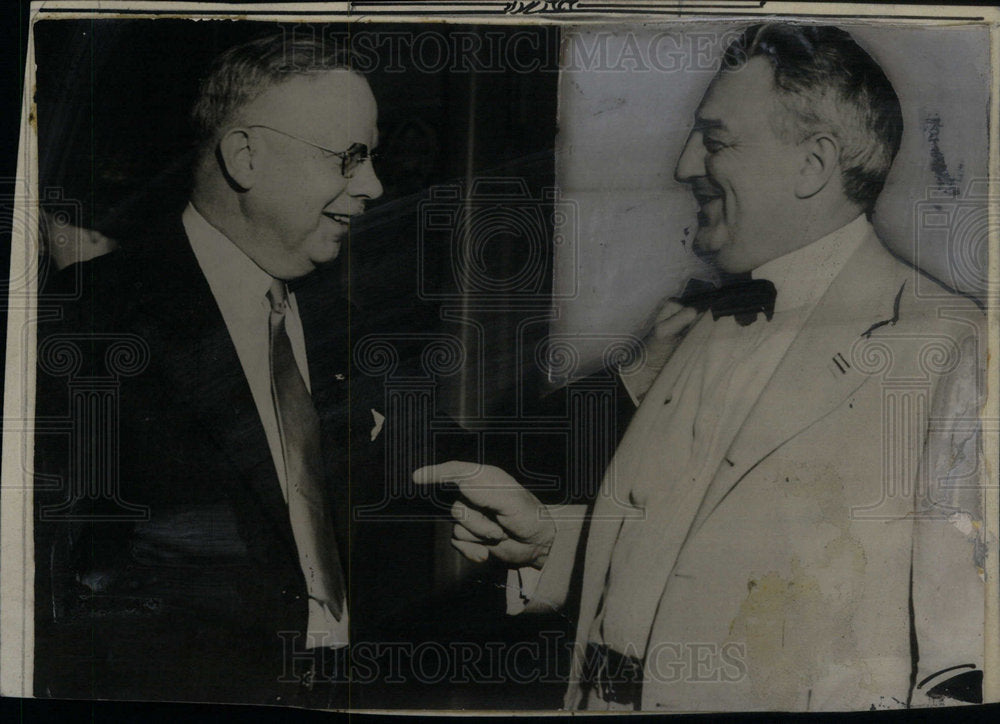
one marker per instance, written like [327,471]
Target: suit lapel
[326,318]
[817,373]
[180,318]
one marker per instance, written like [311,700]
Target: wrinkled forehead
[333,108]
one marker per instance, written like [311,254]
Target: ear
[820,164]
[236,157]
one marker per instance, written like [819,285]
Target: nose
[365,182]
[691,163]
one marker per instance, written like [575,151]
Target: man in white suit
[791,520]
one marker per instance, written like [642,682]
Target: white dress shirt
[240,289]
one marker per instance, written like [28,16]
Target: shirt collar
[235,279]
[802,276]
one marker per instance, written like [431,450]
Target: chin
[725,263]
[707,243]
[325,252]
[723,257]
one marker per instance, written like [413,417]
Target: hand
[67,244]
[672,323]
[495,515]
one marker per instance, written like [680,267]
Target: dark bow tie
[740,296]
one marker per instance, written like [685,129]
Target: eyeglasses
[355,155]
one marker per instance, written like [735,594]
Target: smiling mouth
[703,202]
[344,219]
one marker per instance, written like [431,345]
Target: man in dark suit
[193,525]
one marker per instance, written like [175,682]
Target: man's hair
[827,82]
[243,72]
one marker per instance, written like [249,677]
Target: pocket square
[379,422]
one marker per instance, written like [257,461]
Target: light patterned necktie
[298,425]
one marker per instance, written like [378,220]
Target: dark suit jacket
[166,563]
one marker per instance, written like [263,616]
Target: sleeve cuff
[521,585]
[533,590]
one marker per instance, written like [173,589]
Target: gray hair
[827,82]
[243,72]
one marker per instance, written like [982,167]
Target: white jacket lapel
[817,373]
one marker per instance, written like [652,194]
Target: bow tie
[740,296]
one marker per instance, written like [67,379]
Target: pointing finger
[484,486]
[451,471]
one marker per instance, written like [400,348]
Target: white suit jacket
[834,561]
